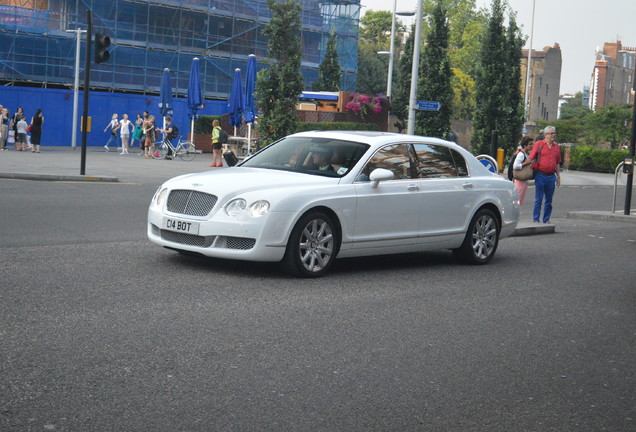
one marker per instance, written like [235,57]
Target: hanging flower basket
[362,104]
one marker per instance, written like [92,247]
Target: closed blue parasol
[250,88]
[195,97]
[165,96]
[236,103]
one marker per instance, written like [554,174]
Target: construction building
[38,50]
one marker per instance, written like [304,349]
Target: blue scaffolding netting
[37,44]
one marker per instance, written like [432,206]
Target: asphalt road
[101,331]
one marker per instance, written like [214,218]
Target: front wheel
[188,151]
[482,239]
[159,150]
[312,246]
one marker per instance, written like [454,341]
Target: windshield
[311,155]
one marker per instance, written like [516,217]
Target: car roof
[373,138]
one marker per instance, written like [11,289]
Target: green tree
[375,28]
[494,107]
[278,85]
[372,70]
[513,110]
[329,72]
[611,124]
[574,108]
[435,77]
[402,89]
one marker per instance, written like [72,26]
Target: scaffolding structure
[150,35]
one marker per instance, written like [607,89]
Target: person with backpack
[519,161]
[171,131]
[219,137]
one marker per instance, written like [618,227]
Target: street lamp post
[415,68]
[391,52]
[528,67]
[78,32]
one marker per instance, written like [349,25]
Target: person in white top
[522,160]
[124,131]
[113,125]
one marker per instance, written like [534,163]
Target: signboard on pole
[428,105]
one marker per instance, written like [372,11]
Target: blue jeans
[113,138]
[544,188]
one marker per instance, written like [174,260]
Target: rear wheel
[481,239]
[188,151]
[312,246]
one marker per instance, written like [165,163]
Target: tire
[312,246]
[482,239]
[188,151]
[159,150]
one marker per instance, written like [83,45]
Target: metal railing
[616,172]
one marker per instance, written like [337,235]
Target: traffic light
[102,43]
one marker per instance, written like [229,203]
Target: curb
[606,216]
[50,177]
[527,229]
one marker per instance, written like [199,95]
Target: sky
[578,26]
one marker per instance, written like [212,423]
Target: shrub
[586,158]
[309,126]
[203,124]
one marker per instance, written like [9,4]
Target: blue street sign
[428,105]
[489,165]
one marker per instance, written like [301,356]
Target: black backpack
[512,162]
[223,137]
[174,133]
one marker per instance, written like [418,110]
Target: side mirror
[380,174]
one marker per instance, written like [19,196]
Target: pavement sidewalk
[64,164]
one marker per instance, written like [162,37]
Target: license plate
[177,225]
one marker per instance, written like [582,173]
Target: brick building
[613,74]
[545,83]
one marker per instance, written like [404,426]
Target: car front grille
[191,203]
[217,242]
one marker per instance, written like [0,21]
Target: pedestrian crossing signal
[102,42]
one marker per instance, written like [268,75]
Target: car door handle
[413,187]
[468,185]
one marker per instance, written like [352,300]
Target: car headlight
[235,207]
[161,196]
[259,208]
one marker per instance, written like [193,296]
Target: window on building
[540,81]
[546,89]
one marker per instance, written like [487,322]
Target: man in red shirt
[548,156]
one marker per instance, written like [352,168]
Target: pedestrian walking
[36,130]
[522,160]
[137,133]
[4,128]
[113,125]
[547,155]
[124,133]
[149,131]
[21,136]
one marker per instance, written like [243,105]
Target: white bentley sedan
[313,197]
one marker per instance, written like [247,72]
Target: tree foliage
[435,77]
[329,72]
[278,85]
[498,82]
[374,36]
[402,89]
